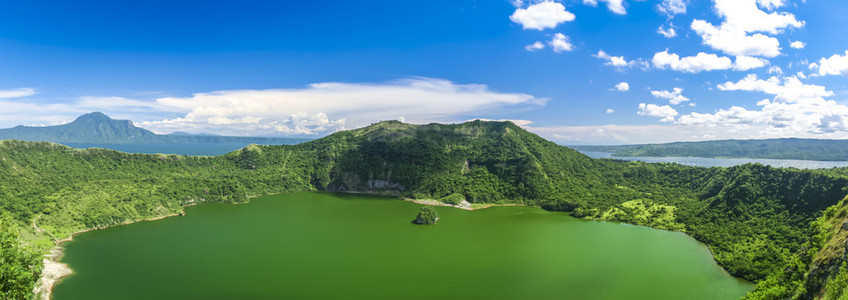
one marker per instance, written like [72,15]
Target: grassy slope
[753,217]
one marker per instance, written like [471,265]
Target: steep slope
[788,148]
[753,217]
[89,128]
[98,128]
[819,270]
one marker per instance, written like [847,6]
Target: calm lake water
[341,246]
[727,162]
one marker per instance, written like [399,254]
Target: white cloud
[535,46]
[326,107]
[615,6]
[610,110]
[741,18]
[665,113]
[745,63]
[797,109]
[835,65]
[691,64]
[560,43]
[775,70]
[669,33]
[622,87]
[771,4]
[790,89]
[705,62]
[672,7]
[540,16]
[673,96]
[798,45]
[17,93]
[615,61]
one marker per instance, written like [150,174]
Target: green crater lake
[344,246]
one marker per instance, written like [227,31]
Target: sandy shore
[462,205]
[54,271]
[51,274]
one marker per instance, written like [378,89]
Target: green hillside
[753,217]
[790,148]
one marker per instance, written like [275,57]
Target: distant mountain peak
[99,116]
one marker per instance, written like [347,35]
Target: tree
[19,267]
[427,216]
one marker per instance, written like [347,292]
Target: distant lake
[341,246]
[727,162]
[196,149]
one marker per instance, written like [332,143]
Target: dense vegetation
[754,218]
[19,265]
[791,148]
[426,216]
[94,128]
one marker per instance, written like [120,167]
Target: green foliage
[426,216]
[835,288]
[453,199]
[20,267]
[753,217]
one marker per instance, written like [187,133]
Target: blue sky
[731,69]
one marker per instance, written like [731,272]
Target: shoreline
[54,270]
[58,270]
[464,205]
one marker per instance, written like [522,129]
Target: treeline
[753,217]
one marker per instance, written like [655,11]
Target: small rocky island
[426,216]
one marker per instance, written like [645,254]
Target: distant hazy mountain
[791,148]
[98,128]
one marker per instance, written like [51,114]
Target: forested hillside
[790,148]
[753,217]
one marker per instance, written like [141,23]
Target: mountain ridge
[781,148]
[98,128]
[753,217]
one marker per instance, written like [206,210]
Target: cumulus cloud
[691,64]
[560,43]
[789,89]
[616,61]
[770,4]
[741,32]
[535,46]
[669,33]
[673,96]
[622,87]
[541,16]
[17,93]
[835,65]
[744,63]
[610,110]
[672,7]
[798,45]
[326,107]
[797,109]
[665,113]
[615,6]
[705,62]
